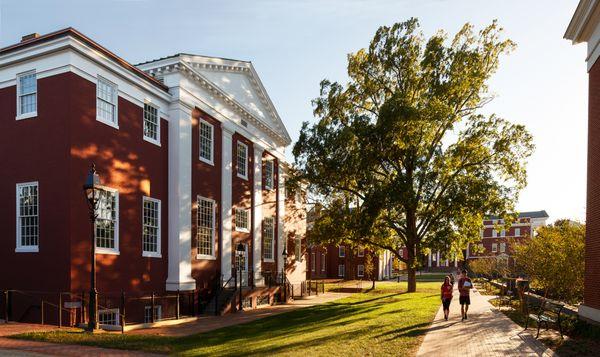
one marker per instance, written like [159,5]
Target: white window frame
[149,254]
[494,233]
[502,247]
[212,142]
[115,250]
[517,232]
[148,138]
[322,261]
[237,155]
[110,311]
[19,247]
[360,270]
[341,270]
[157,313]
[341,251]
[503,233]
[115,123]
[494,247]
[237,227]
[199,255]
[360,252]
[269,164]
[313,262]
[33,114]
[270,259]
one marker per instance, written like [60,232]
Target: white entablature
[228,86]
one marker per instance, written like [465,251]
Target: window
[494,247]
[298,249]
[151,124]
[341,270]
[28,219]
[106,102]
[322,261]
[517,232]
[151,227]
[26,95]
[242,160]
[206,227]
[494,233]
[503,233]
[148,313]
[342,251]
[268,238]
[361,252]
[107,222]
[313,262]
[269,174]
[241,220]
[360,270]
[207,132]
[434,257]
[108,317]
[502,247]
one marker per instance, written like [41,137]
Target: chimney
[31,36]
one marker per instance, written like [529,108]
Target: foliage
[401,156]
[554,260]
[490,267]
[353,326]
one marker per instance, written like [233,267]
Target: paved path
[487,332]
[209,323]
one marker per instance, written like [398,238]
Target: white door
[242,261]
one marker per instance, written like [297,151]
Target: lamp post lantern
[91,190]
[239,252]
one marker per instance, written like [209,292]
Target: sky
[296,44]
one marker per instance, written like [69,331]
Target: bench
[547,313]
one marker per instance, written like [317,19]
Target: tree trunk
[412,278]
[373,285]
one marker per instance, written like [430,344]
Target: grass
[382,321]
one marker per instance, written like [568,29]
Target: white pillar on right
[280,215]
[257,215]
[226,203]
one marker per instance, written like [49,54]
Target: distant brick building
[585,27]
[497,242]
[346,262]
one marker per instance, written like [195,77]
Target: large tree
[401,155]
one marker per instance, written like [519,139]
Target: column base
[181,285]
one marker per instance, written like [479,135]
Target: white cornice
[581,28]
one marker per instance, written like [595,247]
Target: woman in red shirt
[446,296]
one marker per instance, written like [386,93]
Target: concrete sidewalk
[486,332]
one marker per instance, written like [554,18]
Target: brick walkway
[208,323]
[487,332]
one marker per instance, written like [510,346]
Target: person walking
[446,296]
[464,290]
[451,279]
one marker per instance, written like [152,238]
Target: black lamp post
[91,190]
[284,254]
[239,252]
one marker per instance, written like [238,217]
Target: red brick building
[585,27]
[346,262]
[191,154]
[496,241]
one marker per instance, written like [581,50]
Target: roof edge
[577,31]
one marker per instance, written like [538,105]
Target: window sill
[242,177]
[243,230]
[27,250]
[107,251]
[205,257]
[206,161]
[151,255]
[151,141]
[26,116]
[269,260]
[109,123]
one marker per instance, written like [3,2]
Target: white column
[257,214]
[429,261]
[437,261]
[280,215]
[180,199]
[226,211]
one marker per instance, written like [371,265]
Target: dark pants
[464,300]
[446,303]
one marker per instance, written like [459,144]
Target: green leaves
[404,144]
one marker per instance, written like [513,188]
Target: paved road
[487,332]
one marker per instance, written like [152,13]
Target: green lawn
[383,321]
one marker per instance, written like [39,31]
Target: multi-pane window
[494,233]
[108,317]
[502,247]
[361,252]
[242,223]
[268,238]
[240,260]
[107,221]
[502,233]
[360,270]
[206,141]
[148,318]
[298,249]
[269,174]
[206,227]
[151,227]
[106,102]
[313,262]
[517,232]
[341,270]
[322,261]
[342,251]
[494,247]
[242,160]
[28,217]
[151,123]
[27,95]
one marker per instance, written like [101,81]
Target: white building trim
[226,201]
[257,214]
